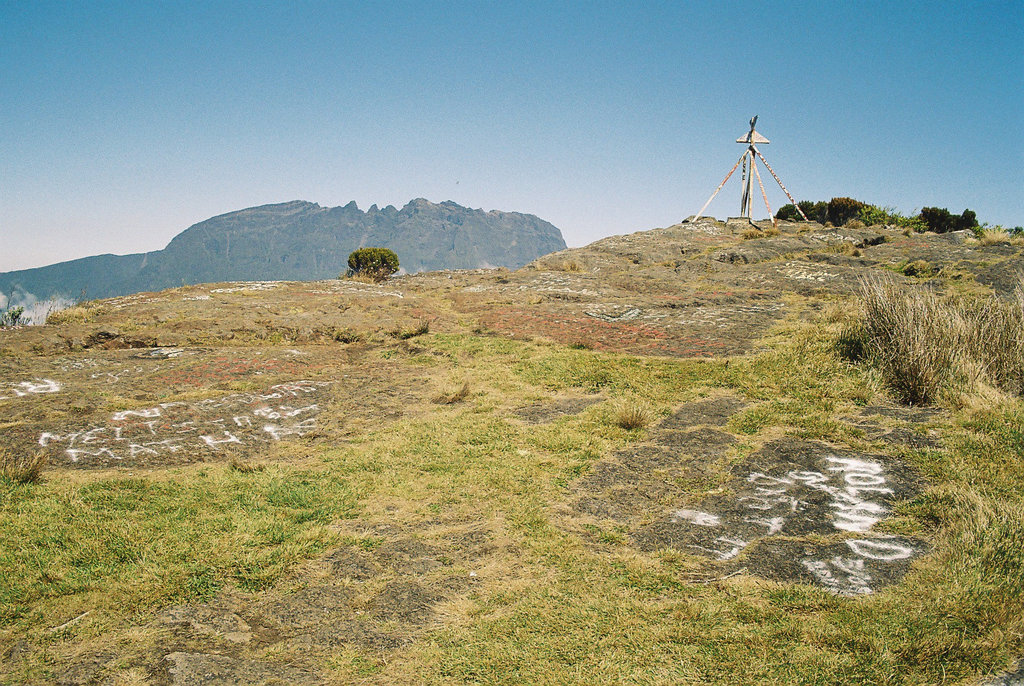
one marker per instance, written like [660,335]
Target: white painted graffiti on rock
[817,492]
[850,484]
[23,389]
[178,430]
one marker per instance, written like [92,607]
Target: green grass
[557,608]
[132,543]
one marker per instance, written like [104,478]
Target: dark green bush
[815,211]
[939,220]
[376,263]
[842,210]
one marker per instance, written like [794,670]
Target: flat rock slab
[794,489]
[177,432]
[162,407]
[202,669]
[1011,678]
[550,410]
[710,412]
[796,511]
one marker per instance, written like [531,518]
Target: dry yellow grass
[450,396]
[926,345]
[631,415]
[21,467]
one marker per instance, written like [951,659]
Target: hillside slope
[641,461]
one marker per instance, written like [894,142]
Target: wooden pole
[777,179]
[698,215]
[765,196]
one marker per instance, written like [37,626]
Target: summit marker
[749,161]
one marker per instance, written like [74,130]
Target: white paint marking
[282,411]
[774,525]
[696,517]
[299,429]
[124,414]
[134,450]
[213,442]
[884,551]
[75,453]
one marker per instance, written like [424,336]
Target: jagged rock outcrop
[299,241]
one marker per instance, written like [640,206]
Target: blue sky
[123,123]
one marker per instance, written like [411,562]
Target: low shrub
[375,263]
[842,210]
[11,316]
[814,211]
[939,220]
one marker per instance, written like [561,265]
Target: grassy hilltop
[703,454]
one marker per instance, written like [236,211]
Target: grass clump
[571,266]
[925,345]
[631,415]
[844,248]
[920,269]
[347,335]
[246,466]
[452,395]
[22,468]
[997,235]
[402,333]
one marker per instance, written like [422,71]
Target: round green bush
[376,263]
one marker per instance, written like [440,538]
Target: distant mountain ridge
[298,240]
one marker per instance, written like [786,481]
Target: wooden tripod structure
[749,161]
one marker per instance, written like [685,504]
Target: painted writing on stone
[854,487]
[850,575]
[284,410]
[28,388]
[856,490]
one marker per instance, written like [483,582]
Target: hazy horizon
[124,124]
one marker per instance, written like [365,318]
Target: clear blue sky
[123,123]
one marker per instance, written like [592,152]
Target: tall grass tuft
[995,339]
[21,467]
[631,415]
[926,345]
